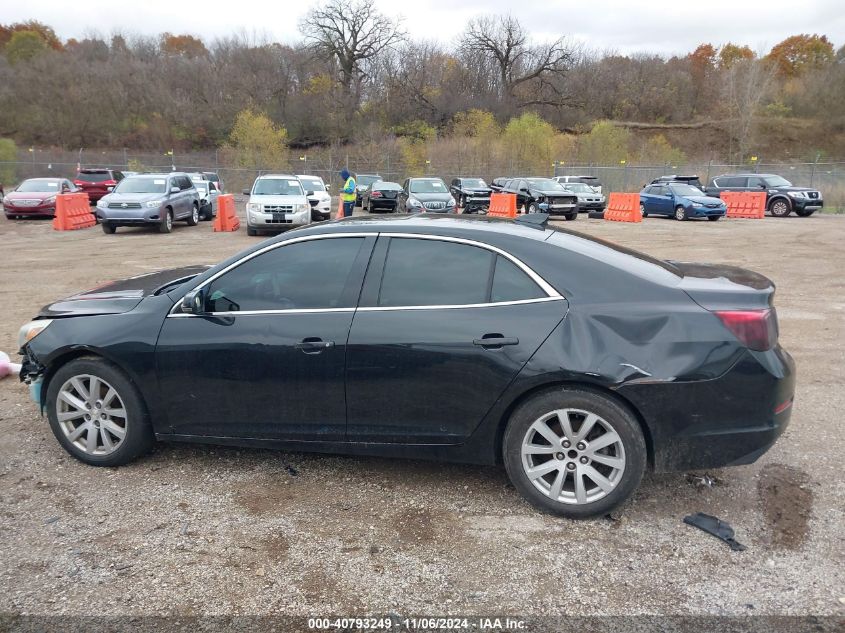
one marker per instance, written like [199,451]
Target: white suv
[277,202]
[320,198]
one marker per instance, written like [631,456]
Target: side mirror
[246,192]
[194,302]
[175,190]
[763,185]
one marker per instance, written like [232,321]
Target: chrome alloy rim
[91,414]
[573,456]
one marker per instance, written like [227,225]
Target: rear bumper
[727,421]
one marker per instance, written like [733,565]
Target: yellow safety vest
[349,184]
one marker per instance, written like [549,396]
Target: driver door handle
[495,341]
[313,345]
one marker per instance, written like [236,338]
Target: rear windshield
[312,184]
[277,187]
[39,185]
[428,186]
[364,179]
[386,186]
[141,185]
[93,176]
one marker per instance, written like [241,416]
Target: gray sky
[623,26]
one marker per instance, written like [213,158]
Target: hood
[479,190]
[30,195]
[119,296]
[718,287]
[133,197]
[554,193]
[792,189]
[439,196]
[277,200]
[320,195]
[703,199]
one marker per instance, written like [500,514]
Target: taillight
[109,183]
[375,194]
[756,329]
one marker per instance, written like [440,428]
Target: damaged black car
[574,362]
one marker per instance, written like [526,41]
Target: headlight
[6,201]
[301,208]
[450,202]
[797,194]
[153,203]
[32,329]
[413,202]
[49,200]
[253,207]
[102,204]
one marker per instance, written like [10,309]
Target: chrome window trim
[551,293]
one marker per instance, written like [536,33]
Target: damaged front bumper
[32,374]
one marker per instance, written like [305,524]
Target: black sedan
[575,363]
[381,196]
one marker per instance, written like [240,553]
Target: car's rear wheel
[108,228]
[680,213]
[780,208]
[97,414]
[194,218]
[643,212]
[574,452]
[166,223]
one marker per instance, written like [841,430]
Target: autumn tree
[729,54]
[350,34]
[24,45]
[185,45]
[799,53]
[256,142]
[503,45]
[47,33]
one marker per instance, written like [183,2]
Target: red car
[36,197]
[97,182]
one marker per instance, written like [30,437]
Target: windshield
[777,181]
[686,190]
[277,187]
[545,184]
[473,182]
[95,176]
[141,185]
[312,184]
[201,185]
[39,185]
[578,187]
[428,186]
[365,179]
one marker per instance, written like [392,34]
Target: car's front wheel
[574,452]
[533,208]
[680,213]
[643,212]
[713,218]
[108,228]
[166,222]
[194,218]
[97,414]
[780,208]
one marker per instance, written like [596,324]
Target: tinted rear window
[93,176]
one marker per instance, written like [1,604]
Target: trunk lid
[717,287]
[118,296]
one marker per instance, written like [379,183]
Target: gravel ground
[193,530]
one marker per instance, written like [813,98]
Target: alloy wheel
[573,456]
[780,208]
[91,414]
[680,214]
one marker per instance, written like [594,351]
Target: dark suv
[97,182]
[782,198]
[472,194]
[531,193]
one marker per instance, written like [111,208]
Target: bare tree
[747,84]
[350,33]
[503,44]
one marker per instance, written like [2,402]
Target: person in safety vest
[347,194]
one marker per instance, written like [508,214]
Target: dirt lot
[205,530]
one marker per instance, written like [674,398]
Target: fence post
[813,168]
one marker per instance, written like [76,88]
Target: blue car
[680,201]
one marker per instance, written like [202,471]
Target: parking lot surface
[194,530]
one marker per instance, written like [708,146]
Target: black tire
[714,218]
[206,213]
[595,215]
[680,213]
[643,212]
[780,208]
[532,208]
[610,412]
[194,218]
[571,216]
[251,231]
[108,229]
[165,225]
[139,437]
[804,213]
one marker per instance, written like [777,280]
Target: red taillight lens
[375,194]
[756,329]
[109,183]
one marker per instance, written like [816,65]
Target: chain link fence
[828,177]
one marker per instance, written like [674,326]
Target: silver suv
[150,199]
[277,202]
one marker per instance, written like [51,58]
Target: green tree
[24,45]
[605,144]
[475,123]
[8,155]
[255,142]
[658,151]
[530,141]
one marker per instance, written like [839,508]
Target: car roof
[162,175]
[309,176]
[744,175]
[276,176]
[45,179]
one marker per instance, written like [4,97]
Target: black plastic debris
[716,527]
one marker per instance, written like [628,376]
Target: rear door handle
[495,341]
[313,345]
